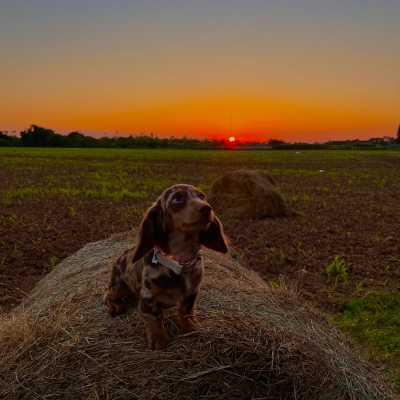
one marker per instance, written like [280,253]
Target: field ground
[53,202]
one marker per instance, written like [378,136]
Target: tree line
[37,136]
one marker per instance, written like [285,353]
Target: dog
[165,269]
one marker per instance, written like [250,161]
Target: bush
[4,143]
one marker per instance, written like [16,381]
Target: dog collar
[160,257]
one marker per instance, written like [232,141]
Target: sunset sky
[298,70]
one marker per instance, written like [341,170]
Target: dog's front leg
[157,338]
[187,315]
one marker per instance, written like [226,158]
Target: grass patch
[374,322]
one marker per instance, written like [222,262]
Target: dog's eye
[177,199]
[201,197]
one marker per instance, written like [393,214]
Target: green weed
[275,285]
[214,313]
[276,258]
[359,286]
[91,193]
[12,220]
[50,180]
[381,182]
[52,263]
[126,194]
[338,270]
[203,187]
[138,211]
[299,249]
[125,218]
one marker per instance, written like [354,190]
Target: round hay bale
[247,194]
[255,342]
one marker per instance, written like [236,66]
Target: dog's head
[180,208]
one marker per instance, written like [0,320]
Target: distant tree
[78,139]
[60,141]
[75,134]
[383,141]
[8,140]
[398,135]
[274,142]
[376,140]
[152,143]
[75,139]
[37,136]
[389,139]
[27,139]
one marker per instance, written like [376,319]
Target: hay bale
[255,342]
[247,194]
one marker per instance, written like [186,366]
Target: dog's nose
[204,209]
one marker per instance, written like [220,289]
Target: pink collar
[159,256]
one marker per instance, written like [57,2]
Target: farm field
[54,201]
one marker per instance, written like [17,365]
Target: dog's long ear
[151,229]
[214,237]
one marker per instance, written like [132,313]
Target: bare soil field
[53,202]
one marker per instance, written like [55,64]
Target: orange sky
[303,71]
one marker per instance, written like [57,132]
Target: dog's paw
[189,324]
[116,309]
[157,341]
[157,338]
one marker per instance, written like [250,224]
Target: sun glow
[231,139]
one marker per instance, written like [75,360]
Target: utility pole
[231,124]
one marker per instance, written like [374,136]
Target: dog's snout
[204,209]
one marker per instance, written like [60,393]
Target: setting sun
[231,139]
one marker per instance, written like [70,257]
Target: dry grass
[255,342]
[247,194]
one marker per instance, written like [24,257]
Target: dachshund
[165,269]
